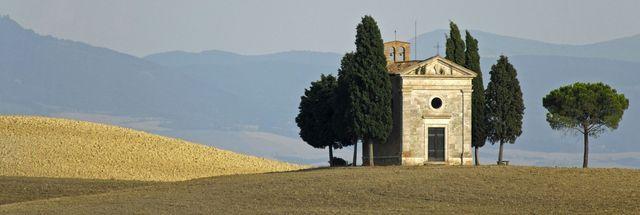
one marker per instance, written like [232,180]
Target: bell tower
[397,51]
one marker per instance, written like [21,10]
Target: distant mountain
[44,75]
[492,45]
[271,84]
[181,58]
[217,57]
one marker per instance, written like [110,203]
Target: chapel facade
[431,104]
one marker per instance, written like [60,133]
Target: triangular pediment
[437,67]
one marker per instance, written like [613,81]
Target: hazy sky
[142,27]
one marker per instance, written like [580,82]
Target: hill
[47,147]
[268,86]
[247,103]
[57,75]
[379,190]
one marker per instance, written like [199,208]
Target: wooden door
[436,144]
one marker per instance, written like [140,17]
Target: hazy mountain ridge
[217,57]
[220,90]
[13,36]
[43,75]
[273,83]
[492,45]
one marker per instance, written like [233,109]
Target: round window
[436,103]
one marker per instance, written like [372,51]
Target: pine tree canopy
[585,107]
[505,108]
[316,113]
[478,122]
[455,49]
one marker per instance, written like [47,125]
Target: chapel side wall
[390,152]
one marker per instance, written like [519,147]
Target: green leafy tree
[588,108]
[505,108]
[316,115]
[455,45]
[478,121]
[342,122]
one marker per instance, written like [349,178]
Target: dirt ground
[22,189]
[377,190]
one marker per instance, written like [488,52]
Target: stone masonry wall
[418,115]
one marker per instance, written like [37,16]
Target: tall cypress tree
[505,108]
[449,48]
[455,45]
[342,123]
[371,92]
[478,122]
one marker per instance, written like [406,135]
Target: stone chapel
[431,111]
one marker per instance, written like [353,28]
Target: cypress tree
[342,104]
[478,122]
[449,48]
[455,45]
[505,108]
[370,89]
[316,115]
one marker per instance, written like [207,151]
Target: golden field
[58,148]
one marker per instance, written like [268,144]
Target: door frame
[436,123]
[442,149]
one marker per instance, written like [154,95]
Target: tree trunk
[585,159]
[476,156]
[355,153]
[370,144]
[500,152]
[330,155]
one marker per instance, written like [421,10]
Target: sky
[142,27]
